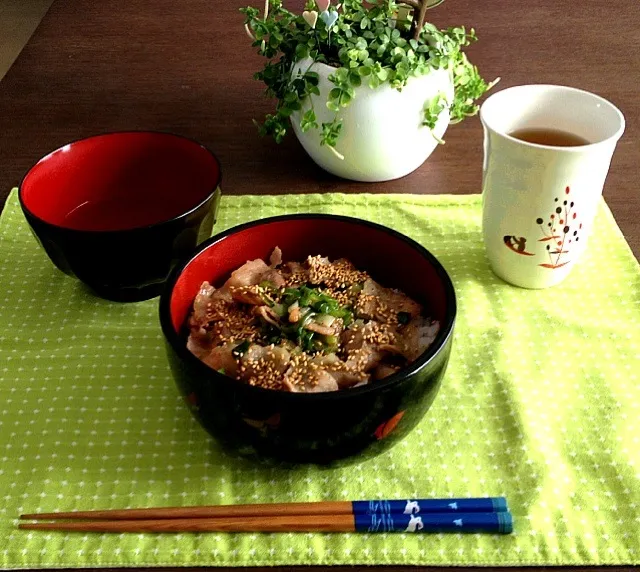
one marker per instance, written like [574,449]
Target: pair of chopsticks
[489,515]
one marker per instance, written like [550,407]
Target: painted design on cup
[517,244]
[561,230]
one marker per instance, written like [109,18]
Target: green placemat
[540,403]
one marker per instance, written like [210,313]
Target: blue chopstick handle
[421,506]
[489,522]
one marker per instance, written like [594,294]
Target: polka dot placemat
[540,404]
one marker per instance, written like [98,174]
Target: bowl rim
[178,346]
[134,229]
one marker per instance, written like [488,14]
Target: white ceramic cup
[539,201]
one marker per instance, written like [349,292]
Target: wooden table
[186,66]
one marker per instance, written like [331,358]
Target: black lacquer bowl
[351,424]
[117,211]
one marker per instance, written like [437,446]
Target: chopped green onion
[280,310]
[313,305]
[331,340]
[306,340]
[241,348]
[404,317]
[305,317]
[309,296]
[325,320]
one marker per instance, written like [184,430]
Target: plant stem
[420,23]
[249,33]
[336,152]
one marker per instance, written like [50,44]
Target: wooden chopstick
[213,511]
[495,522]
[314,523]
[422,515]
[419,506]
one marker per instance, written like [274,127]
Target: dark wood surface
[186,66]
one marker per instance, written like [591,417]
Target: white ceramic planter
[382,135]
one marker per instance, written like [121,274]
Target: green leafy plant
[369,43]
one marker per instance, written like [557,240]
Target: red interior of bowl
[390,260]
[120,181]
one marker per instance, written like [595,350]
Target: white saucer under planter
[382,135]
